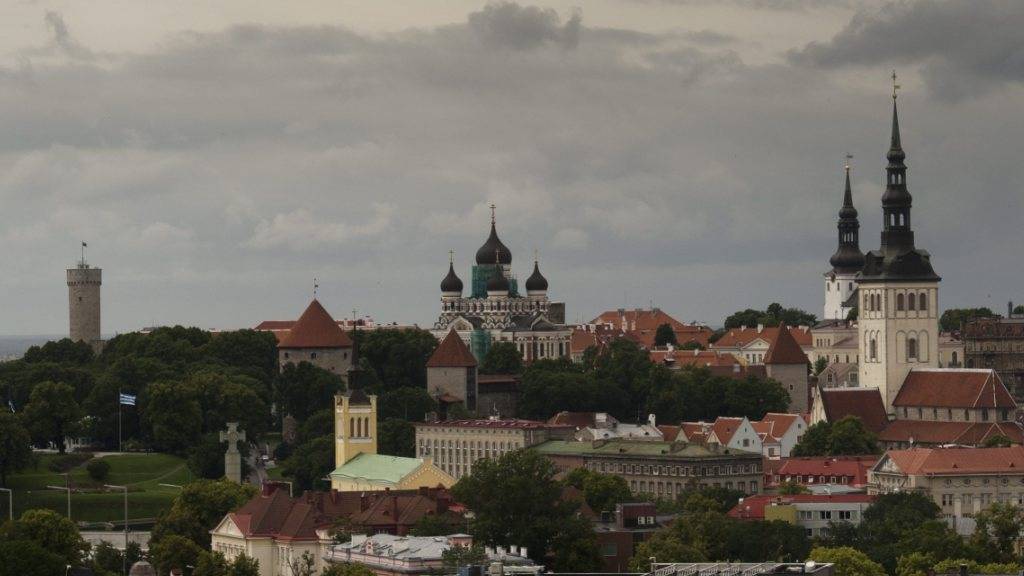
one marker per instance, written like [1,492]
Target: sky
[217,157]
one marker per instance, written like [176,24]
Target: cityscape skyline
[220,216]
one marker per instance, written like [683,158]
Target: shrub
[98,469]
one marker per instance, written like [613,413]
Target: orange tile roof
[855,468]
[736,337]
[642,325]
[725,428]
[316,329]
[917,461]
[954,388]
[968,433]
[669,433]
[705,358]
[785,349]
[864,403]
[452,352]
[696,432]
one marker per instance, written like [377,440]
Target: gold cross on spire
[451,256]
[895,86]
[492,212]
[536,256]
[848,158]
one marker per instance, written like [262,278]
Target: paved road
[116,539]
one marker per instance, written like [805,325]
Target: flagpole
[119,449]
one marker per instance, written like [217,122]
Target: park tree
[198,508]
[845,437]
[601,491]
[347,569]
[997,441]
[52,413]
[517,500]
[502,358]
[455,557]
[301,390]
[665,335]
[407,403]
[248,349]
[398,357]
[997,532]
[15,445]
[51,531]
[438,525]
[64,351]
[174,416]
[773,315]
[309,462]
[848,561]
[953,318]
[174,552]
[28,558]
[791,487]
[820,364]
[212,564]
[396,437]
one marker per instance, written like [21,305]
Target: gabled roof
[956,460]
[452,352]
[966,433]
[954,388]
[642,325]
[853,467]
[864,403]
[316,329]
[669,433]
[775,425]
[696,432]
[785,349]
[740,337]
[725,428]
[378,468]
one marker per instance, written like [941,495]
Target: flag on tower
[127,399]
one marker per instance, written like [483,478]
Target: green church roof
[378,468]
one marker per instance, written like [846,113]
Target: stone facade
[997,343]
[84,303]
[335,360]
[793,378]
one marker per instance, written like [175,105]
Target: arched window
[911,349]
[922,302]
[899,302]
[874,349]
[351,428]
[955,363]
[911,301]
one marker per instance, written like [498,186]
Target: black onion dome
[498,282]
[451,282]
[847,259]
[536,282]
[493,251]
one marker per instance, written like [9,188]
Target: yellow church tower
[357,464]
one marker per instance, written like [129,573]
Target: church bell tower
[841,280]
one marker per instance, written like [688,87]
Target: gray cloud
[215,175]
[509,25]
[962,48]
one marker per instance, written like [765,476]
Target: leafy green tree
[174,552]
[64,351]
[301,390]
[502,358]
[692,345]
[953,318]
[997,532]
[398,357]
[345,569]
[28,558]
[52,413]
[1018,309]
[665,546]
[51,531]
[997,441]
[212,564]
[952,566]
[820,364]
[98,469]
[790,487]
[544,393]
[456,557]
[304,565]
[320,423]
[396,437]
[206,458]
[108,559]
[310,462]
[601,491]
[174,416]
[517,500]
[249,349]
[852,315]
[405,403]
[227,398]
[15,445]
[665,335]
[914,564]
[244,565]
[198,508]
[845,437]
[848,561]
[438,525]
[773,315]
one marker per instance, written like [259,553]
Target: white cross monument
[233,458]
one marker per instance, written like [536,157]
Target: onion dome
[848,258]
[536,282]
[451,283]
[493,251]
[497,284]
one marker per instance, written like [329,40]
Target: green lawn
[142,473]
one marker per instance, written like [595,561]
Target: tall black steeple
[848,257]
[898,258]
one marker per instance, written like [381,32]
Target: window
[922,303]
[911,348]
[846,514]
[874,349]
[824,514]
[947,499]
[805,515]
[911,301]
[984,414]
[899,301]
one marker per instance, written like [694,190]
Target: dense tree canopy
[15,445]
[845,437]
[773,315]
[199,507]
[502,358]
[397,357]
[954,318]
[52,414]
[665,335]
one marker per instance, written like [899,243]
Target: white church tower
[898,291]
[841,280]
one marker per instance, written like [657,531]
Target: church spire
[896,201]
[848,257]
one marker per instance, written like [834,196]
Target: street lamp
[124,557]
[10,502]
[67,486]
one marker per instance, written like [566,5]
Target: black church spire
[848,257]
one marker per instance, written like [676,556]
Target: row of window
[477,306]
[657,470]
[983,500]
[1004,414]
[811,479]
[911,301]
[359,427]
[661,488]
[847,515]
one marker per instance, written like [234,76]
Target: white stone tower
[84,301]
[898,291]
[840,281]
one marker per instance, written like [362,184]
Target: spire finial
[848,158]
[895,86]
[451,256]
[536,256]
[492,212]
[316,285]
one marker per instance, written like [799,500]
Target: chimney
[760,327]
[522,551]
[651,419]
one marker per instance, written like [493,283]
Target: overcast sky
[219,156]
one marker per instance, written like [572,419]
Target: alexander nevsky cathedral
[496,311]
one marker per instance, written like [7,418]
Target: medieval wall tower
[84,302]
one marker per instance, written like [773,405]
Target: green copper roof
[634,448]
[377,468]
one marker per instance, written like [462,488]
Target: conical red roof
[452,352]
[316,329]
[785,350]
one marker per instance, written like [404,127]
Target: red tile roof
[669,433]
[918,461]
[315,329]
[706,358]
[954,388]
[774,425]
[696,432]
[854,468]
[742,336]
[752,507]
[452,352]
[968,433]
[725,428]
[511,423]
[864,403]
[785,349]
[642,325]
[576,419]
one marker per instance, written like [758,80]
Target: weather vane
[895,86]
[492,212]
[848,158]
[316,285]
[451,256]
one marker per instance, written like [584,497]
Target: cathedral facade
[497,310]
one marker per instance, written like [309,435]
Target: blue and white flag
[127,399]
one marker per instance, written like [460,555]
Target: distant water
[13,347]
